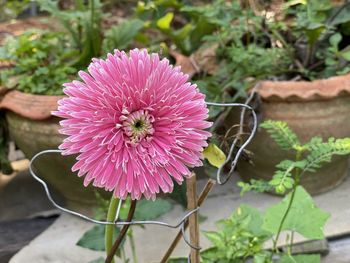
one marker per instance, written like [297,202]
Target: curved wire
[233,145]
[151,222]
[183,231]
[118,223]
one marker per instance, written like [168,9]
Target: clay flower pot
[317,108]
[33,129]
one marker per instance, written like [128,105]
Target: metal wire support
[219,173]
[117,223]
[183,231]
[151,222]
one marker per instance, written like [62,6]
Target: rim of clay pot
[321,89]
[34,107]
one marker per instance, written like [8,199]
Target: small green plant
[42,62]
[336,61]
[321,37]
[176,23]
[243,235]
[83,23]
[308,157]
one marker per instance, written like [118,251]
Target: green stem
[296,183]
[284,219]
[133,246]
[309,54]
[112,211]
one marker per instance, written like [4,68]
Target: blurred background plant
[305,40]
[83,22]
[296,40]
[41,62]
[10,9]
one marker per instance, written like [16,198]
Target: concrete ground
[22,198]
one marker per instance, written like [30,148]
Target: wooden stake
[205,192]
[191,185]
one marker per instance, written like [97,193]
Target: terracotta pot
[317,108]
[33,129]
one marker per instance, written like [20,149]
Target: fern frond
[282,134]
[314,142]
[282,179]
[322,152]
[258,186]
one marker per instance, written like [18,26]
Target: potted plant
[316,101]
[42,62]
[299,53]
[34,86]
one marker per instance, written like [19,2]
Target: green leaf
[258,186]
[202,28]
[335,39]
[255,220]
[303,217]
[345,55]
[94,238]
[164,22]
[122,35]
[315,141]
[149,210]
[214,238]
[282,179]
[300,259]
[281,134]
[262,257]
[209,254]
[314,32]
[317,10]
[321,152]
[183,32]
[98,260]
[342,17]
[214,155]
[319,5]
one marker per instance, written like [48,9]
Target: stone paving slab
[56,244]
[339,251]
[15,234]
[21,196]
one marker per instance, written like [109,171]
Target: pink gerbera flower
[135,123]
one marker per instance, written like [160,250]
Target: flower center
[137,126]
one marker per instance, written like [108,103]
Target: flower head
[135,123]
